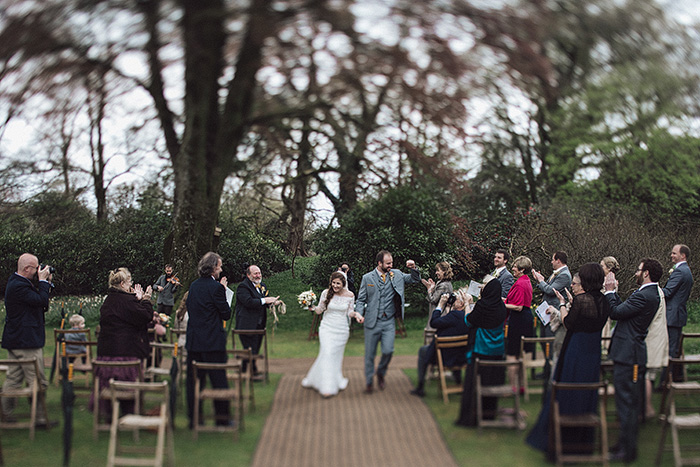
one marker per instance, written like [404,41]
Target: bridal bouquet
[307,299]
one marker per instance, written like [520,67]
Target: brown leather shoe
[369,389]
[380,382]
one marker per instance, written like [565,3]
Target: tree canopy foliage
[289,105]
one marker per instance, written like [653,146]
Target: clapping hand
[429,284]
[610,283]
[224,281]
[560,296]
[569,296]
[538,277]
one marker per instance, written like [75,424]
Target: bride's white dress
[326,374]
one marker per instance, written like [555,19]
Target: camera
[345,269]
[52,269]
[451,299]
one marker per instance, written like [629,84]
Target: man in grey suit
[559,280]
[500,260]
[379,299]
[676,292]
[629,353]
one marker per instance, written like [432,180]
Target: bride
[337,304]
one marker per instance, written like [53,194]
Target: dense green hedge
[83,250]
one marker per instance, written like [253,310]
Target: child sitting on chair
[77,322]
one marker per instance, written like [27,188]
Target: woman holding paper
[579,359]
[519,322]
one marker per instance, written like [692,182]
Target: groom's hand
[410,264]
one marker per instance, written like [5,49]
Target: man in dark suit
[676,292]
[450,324]
[629,353]
[500,262]
[26,303]
[206,336]
[252,302]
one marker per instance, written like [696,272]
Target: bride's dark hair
[331,292]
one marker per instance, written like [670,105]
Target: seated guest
[584,316]
[450,324]
[77,323]
[486,342]
[124,318]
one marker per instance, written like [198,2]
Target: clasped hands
[141,294]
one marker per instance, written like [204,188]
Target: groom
[379,299]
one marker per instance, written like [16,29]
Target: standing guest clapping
[629,353]
[520,322]
[443,274]
[583,317]
[124,318]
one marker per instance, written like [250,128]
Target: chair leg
[32,416]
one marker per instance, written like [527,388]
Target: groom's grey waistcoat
[368,297]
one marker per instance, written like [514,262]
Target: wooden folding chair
[452,342]
[231,394]
[596,420]
[682,413]
[515,419]
[159,363]
[263,348]
[686,337]
[530,362]
[675,366]
[248,387]
[105,393]
[34,392]
[142,419]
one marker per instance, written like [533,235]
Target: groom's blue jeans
[385,332]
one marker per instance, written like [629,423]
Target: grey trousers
[385,332]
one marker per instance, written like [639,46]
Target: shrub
[411,223]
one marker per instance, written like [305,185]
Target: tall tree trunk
[297,203]
[213,131]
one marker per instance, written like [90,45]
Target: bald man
[23,335]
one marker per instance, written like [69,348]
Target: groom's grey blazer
[368,296]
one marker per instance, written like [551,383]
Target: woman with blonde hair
[610,266]
[124,318]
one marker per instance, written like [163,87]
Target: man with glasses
[629,353]
[26,303]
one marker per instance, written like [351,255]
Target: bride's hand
[359,318]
